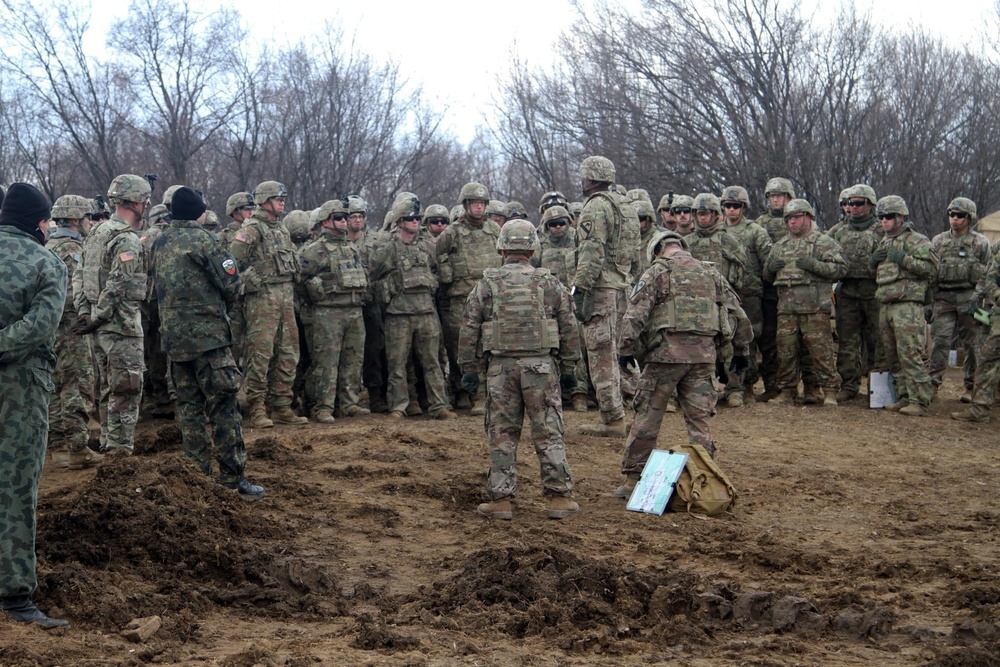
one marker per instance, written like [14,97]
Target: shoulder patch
[229,266]
[240,236]
[127,256]
[586,227]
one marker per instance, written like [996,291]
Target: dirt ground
[860,538]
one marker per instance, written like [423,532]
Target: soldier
[407,269]
[31,304]
[680,311]
[239,208]
[100,209]
[683,214]
[373,368]
[112,286]
[757,246]
[858,342]
[496,211]
[464,250]
[211,222]
[965,256]
[647,228]
[335,285]
[905,264]
[300,229]
[196,284]
[73,376]
[575,208]
[456,212]
[266,256]
[667,220]
[803,267]
[158,395]
[435,220]
[550,199]
[519,320]
[988,367]
[608,237]
[516,211]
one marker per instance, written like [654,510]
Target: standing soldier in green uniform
[496,211]
[266,257]
[113,286]
[464,250]
[373,369]
[73,376]
[988,368]
[683,214]
[31,304]
[965,256]
[777,194]
[803,267]
[335,285]
[519,322]
[196,284]
[608,236]
[905,264]
[859,348]
[239,207]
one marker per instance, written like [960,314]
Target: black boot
[23,610]
[246,490]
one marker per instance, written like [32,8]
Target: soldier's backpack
[702,487]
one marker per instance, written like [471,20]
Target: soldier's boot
[735,400]
[356,411]
[846,395]
[462,401]
[813,395]
[23,610]
[376,402]
[969,416]
[914,410]
[324,417]
[561,507]
[84,458]
[829,399]
[285,415]
[625,490]
[769,394]
[258,415]
[967,396]
[413,409]
[397,414]
[497,509]
[478,409]
[671,404]
[579,403]
[445,414]
[617,427]
[898,405]
[781,398]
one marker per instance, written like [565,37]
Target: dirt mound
[167,438]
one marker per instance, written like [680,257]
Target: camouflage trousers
[582,375]
[272,345]
[451,324]
[24,405]
[904,334]
[373,368]
[743,384]
[421,336]
[238,325]
[337,350]
[120,360]
[628,377]
[801,336]
[206,400]
[987,374]
[73,377]
[600,334]
[951,319]
[157,388]
[859,346]
[695,394]
[515,387]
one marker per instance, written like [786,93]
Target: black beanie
[186,204]
[23,207]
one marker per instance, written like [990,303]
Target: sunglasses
[961,215]
[886,216]
[733,205]
[437,221]
[246,208]
[560,223]
[680,210]
[339,217]
[857,202]
[410,218]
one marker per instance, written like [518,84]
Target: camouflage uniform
[237,322]
[520,318]
[158,395]
[757,245]
[73,376]
[858,341]
[673,319]
[964,260]
[902,289]
[31,305]
[266,257]
[335,285]
[112,287]
[988,368]
[804,303]
[196,284]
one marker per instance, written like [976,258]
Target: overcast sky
[455,50]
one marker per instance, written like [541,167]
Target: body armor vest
[519,326]
[475,251]
[274,258]
[693,303]
[96,265]
[960,266]
[559,260]
[623,241]
[412,272]
[858,246]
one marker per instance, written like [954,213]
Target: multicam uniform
[757,246]
[988,368]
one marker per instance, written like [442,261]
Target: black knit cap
[187,204]
[23,207]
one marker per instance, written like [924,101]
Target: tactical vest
[412,272]
[960,266]
[96,265]
[694,300]
[475,250]
[895,283]
[275,260]
[342,279]
[519,326]
[710,248]
[559,260]
[858,246]
[623,241]
[775,226]
[790,249]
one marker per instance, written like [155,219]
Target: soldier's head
[406,215]
[799,216]
[666,215]
[299,226]
[555,221]
[211,221]
[596,173]
[516,211]
[861,200]
[159,213]
[435,219]
[187,204]
[474,197]
[550,199]
[270,196]
[99,209]
[73,212]
[664,243]
[26,208]
[518,238]
[647,216]
[735,202]
[575,208]
[845,197]
[496,211]
[357,214]
[683,213]
[707,210]
[129,194]
[239,206]
[332,215]
[638,194]
[962,213]
[778,192]
[892,213]
[168,195]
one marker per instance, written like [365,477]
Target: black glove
[973,307]
[720,371]
[567,382]
[775,264]
[878,257]
[470,383]
[806,263]
[739,364]
[625,360]
[582,307]
[84,325]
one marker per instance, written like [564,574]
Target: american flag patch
[127,256]
[240,236]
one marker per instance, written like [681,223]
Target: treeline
[685,96]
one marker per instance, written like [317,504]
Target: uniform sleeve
[126,279]
[22,337]
[991,289]
[242,244]
[921,260]
[220,267]
[443,247]
[831,260]
[640,305]
[768,274]
[381,261]
[743,331]
[79,300]
[762,243]
[470,332]
[569,328]
[592,234]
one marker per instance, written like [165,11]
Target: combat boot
[413,410]
[829,399]
[397,414]
[376,402]
[497,509]
[846,395]
[85,458]
[561,507]
[579,403]
[462,401]
[914,410]
[23,610]
[625,490]
[445,414]
[970,416]
[813,395]
[245,489]
[617,427]
[356,411]
[285,415]
[967,396]
[781,398]
[735,400]
[324,417]
[898,405]
[258,415]
[478,409]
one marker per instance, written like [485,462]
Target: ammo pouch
[445,272]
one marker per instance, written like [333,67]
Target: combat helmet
[211,221]
[158,213]
[474,192]
[663,236]
[497,207]
[549,199]
[644,208]
[736,193]
[332,207]
[779,186]
[405,208]
[864,191]
[845,194]
[666,202]
[706,201]
[435,211]
[598,168]
[129,187]
[554,213]
[799,206]
[70,207]
[456,212]
[962,204]
[891,205]
[168,194]
[516,210]
[518,235]
[298,225]
[238,200]
[575,208]
[356,204]
[268,190]
[638,194]
[682,201]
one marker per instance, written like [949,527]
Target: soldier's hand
[567,382]
[895,255]
[720,371]
[470,383]
[625,361]
[84,325]
[582,308]
[878,257]
[806,263]
[776,264]
[739,364]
